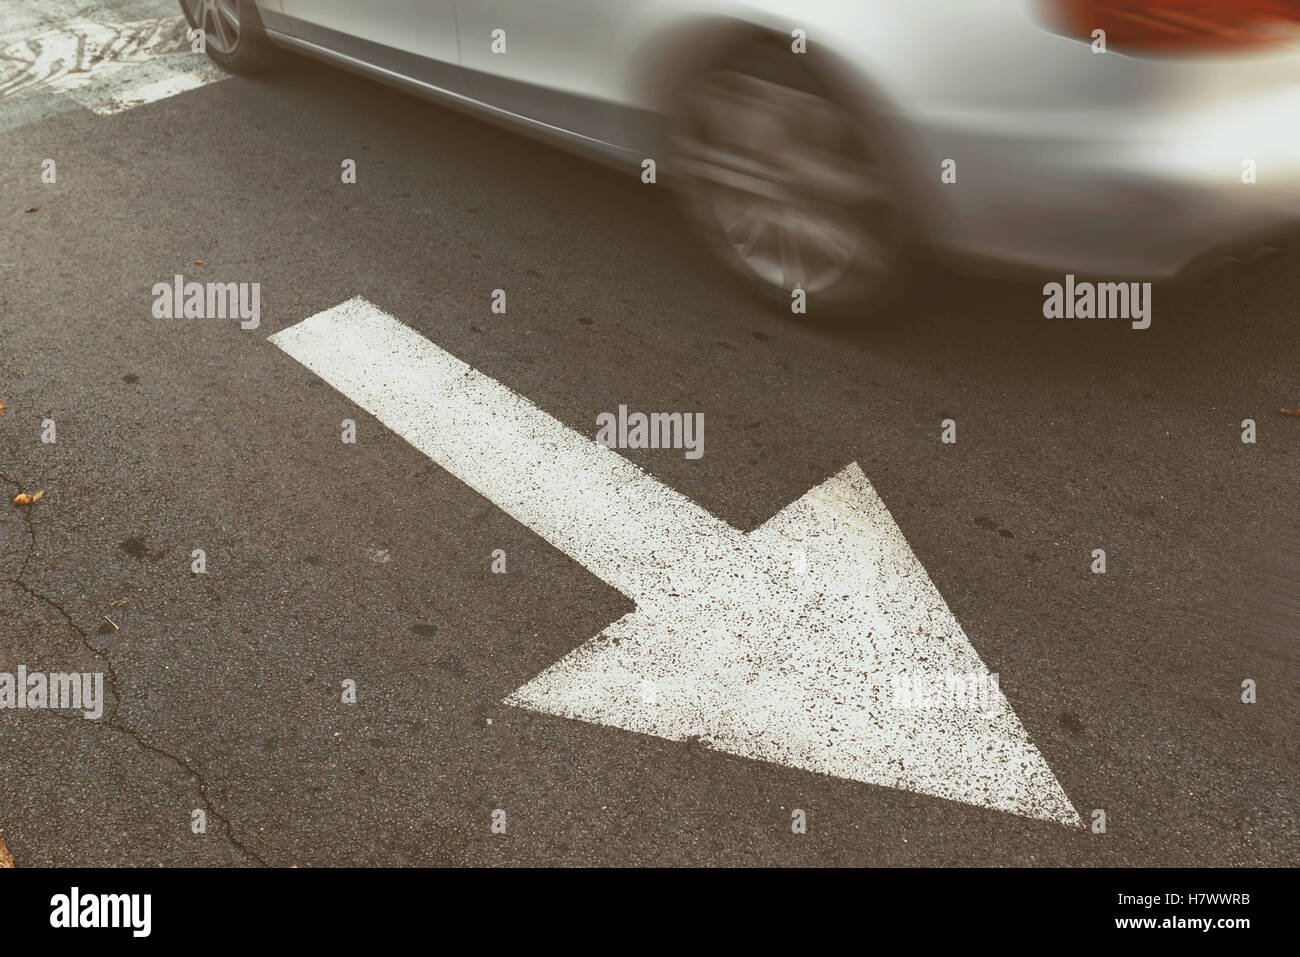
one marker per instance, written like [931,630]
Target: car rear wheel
[786,184]
[232,33]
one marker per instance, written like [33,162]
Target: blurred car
[815,142]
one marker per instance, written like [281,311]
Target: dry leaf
[6,859]
[23,499]
[31,209]
[1283,411]
[2,408]
[199,262]
[38,496]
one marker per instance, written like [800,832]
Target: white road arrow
[784,644]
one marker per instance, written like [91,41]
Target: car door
[415,38]
[558,62]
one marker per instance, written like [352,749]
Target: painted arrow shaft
[628,529]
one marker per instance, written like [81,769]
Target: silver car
[816,142]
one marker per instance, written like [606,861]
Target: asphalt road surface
[329,562]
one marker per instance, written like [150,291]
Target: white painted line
[781,645]
[104,65]
[136,88]
[586,500]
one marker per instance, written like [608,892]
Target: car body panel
[426,28]
[1066,159]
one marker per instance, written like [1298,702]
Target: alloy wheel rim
[785,178]
[219,21]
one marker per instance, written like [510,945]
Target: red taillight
[1174,25]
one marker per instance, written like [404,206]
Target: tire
[234,38]
[786,185]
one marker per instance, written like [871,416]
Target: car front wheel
[786,185]
[232,33]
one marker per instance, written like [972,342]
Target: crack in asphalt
[109,720]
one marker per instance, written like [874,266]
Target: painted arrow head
[806,645]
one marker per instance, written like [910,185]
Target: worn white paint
[146,85]
[779,645]
[101,62]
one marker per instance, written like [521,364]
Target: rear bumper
[1128,195]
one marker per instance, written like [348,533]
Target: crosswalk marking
[97,62]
